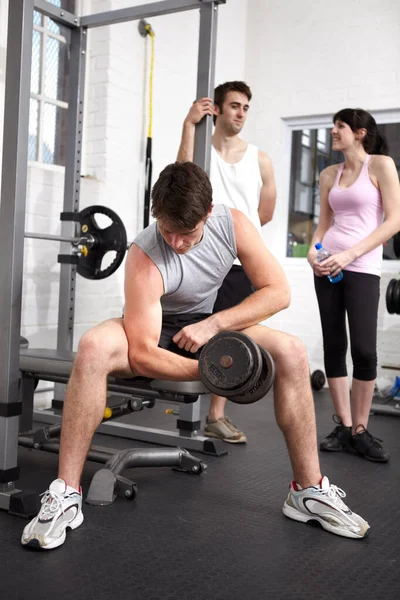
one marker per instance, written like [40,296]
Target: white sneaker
[324,504]
[61,509]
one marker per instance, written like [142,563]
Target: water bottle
[323,253]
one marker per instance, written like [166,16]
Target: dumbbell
[232,365]
[393,297]
[318,380]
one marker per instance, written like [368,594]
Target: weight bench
[56,366]
[127,395]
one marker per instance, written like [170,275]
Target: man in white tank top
[242,177]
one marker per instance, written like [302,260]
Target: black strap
[147,190]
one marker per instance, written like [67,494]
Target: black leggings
[357,294]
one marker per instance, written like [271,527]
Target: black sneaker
[368,446]
[339,439]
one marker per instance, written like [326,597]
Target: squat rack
[14,179]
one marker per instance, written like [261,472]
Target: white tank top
[238,185]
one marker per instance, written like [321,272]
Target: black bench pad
[59,362]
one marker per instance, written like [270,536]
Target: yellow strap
[150,128]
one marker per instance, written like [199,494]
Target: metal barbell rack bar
[86,240]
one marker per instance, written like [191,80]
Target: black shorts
[235,288]
[171,324]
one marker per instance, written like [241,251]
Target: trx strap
[149,164]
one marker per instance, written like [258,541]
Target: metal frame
[180,438]
[145,11]
[205,81]
[14,179]
[57,14]
[12,217]
[72,181]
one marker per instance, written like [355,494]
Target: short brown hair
[223,89]
[182,195]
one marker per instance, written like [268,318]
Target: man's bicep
[143,291]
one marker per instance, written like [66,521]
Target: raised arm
[267,202]
[197,111]
[143,322]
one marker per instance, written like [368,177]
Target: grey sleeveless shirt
[191,280]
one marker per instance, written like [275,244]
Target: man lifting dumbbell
[173,272]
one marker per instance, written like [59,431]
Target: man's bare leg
[293,401]
[217,407]
[102,350]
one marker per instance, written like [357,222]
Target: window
[49,88]
[311,153]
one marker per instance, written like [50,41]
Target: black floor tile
[218,536]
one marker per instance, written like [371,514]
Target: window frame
[41,98]
[382,117]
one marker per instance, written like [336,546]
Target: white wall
[300,58]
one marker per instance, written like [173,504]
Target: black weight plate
[318,380]
[233,378]
[254,375]
[262,385]
[396,297]
[389,297]
[110,239]
[218,378]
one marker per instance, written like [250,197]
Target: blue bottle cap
[318,246]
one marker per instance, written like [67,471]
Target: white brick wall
[301,58]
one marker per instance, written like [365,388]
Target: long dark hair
[357,118]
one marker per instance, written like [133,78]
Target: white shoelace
[335,494]
[51,503]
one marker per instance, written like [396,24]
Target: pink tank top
[358,211]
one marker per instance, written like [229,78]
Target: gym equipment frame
[14,180]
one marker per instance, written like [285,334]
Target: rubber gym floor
[218,536]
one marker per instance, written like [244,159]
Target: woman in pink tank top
[359,211]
